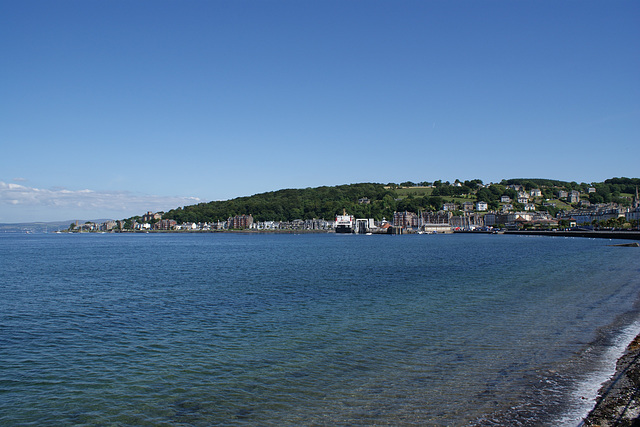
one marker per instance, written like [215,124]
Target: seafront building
[405,219]
[519,219]
[165,224]
[240,222]
[468,221]
[598,213]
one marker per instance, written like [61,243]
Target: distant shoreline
[630,235]
[625,235]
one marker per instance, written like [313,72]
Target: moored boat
[344,223]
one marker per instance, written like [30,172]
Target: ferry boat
[344,223]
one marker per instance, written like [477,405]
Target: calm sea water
[228,329]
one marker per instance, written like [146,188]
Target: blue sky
[113,108]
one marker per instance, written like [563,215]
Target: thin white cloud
[86,200]
[20,179]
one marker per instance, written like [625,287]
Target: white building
[265,225]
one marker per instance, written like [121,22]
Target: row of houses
[572,196]
[408,219]
[298,224]
[92,226]
[466,206]
[603,212]
[238,222]
[519,219]
[484,206]
[522,194]
[442,222]
[523,198]
[161,224]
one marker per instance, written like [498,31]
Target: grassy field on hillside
[560,204]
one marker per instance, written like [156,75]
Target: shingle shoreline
[618,403]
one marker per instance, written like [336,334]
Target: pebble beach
[618,403]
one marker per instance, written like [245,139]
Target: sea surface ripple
[240,329]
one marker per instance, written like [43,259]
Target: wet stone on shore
[619,398]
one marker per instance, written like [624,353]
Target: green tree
[596,198]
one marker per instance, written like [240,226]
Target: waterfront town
[534,214]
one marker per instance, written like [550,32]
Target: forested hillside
[383,200]
[290,204]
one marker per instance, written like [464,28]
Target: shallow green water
[222,329]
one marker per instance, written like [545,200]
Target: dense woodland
[290,204]
[384,200]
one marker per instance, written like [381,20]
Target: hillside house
[150,216]
[573,197]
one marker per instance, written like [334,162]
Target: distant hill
[291,204]
[371,200]
[540,182]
